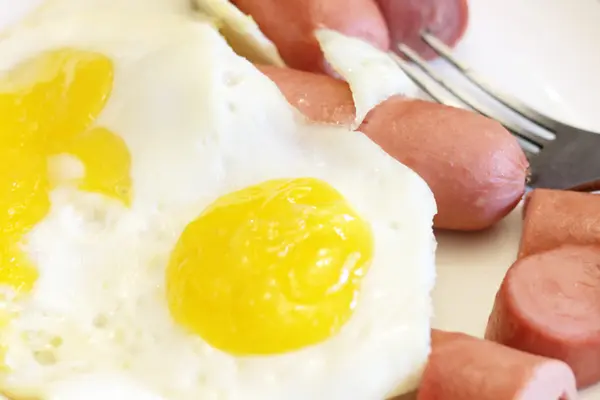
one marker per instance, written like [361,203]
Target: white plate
[543,51]
[546,52]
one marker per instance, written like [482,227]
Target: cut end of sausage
[463,367]
[556,217]
[549,304]
[407,19]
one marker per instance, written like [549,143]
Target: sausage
[463,367]
[406,19]
[290,24]
[319,97]
[549,304]
[556,217]
[474,167]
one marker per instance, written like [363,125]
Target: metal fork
[568,158]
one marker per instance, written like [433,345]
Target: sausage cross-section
[474,167]
[549,304]
[463,367]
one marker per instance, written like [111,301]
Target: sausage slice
[549,304]
[556,217]
[406,19]
[463,367]
[474,167]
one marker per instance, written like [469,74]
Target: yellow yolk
[270,268]
[107,163]
[48,105]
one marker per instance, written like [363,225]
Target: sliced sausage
[463,367]
[290,24]
[549,304]
[474,167]
[406,19]
[556,217]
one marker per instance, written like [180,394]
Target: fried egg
[173,229]
[358,61]
[240,31]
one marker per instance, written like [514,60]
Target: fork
[567,158]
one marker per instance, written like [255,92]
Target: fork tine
[433,90]
[529,153]
[468,100]
[509,101]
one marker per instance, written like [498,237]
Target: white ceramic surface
[547,52]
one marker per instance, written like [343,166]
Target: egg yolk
[48,106]
[270,268]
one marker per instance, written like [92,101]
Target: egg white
[241,32]
[201,122]
[16,13]
[373,75]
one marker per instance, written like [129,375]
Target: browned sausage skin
[407,19]
[556,217]
[474,167]
[319,97]
[549,304]
[290,24]
[463,367]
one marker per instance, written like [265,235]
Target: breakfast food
[552,218]
[474,167]
[548,305]
[27,12]
[357,62]
[463,367]
[291,25]
[173,235]
[240,31]
[408,19]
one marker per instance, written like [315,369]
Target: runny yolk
[48,106]
[270,268]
